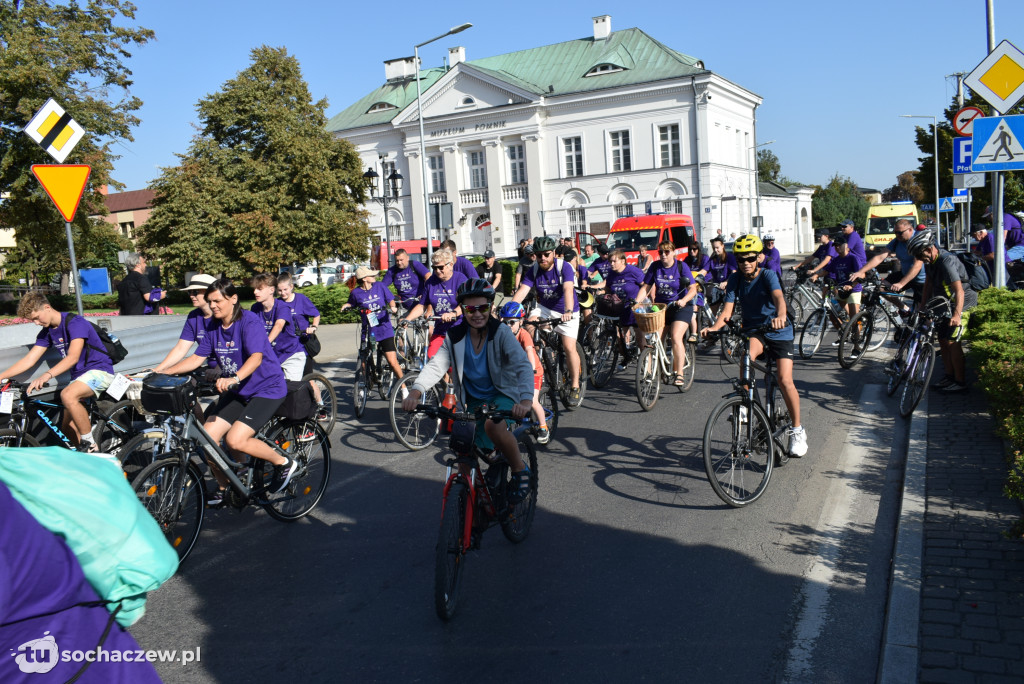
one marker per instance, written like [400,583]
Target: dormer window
[467,102]
[603,69]
[381,107]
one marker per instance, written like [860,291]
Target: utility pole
[965,209]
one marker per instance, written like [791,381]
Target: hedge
[996,333]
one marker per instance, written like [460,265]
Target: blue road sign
[962,155]
[927,207]
[997,144]
[946,204]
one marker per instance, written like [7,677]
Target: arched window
[381,107]
[600,69]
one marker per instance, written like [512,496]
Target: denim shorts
[500,403]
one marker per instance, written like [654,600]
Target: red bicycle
[475,501]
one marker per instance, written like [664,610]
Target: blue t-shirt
[232,347]
[906,260]
[671,281]
[440,295]
[287,343]
[840,269]
[475,378]
[408,281]
[719,271]
[94,353]
[755,296]
[375,300]
[549,285]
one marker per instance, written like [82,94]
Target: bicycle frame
[33,412]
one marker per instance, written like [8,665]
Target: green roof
[551,70]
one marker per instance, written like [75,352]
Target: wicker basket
[650,322]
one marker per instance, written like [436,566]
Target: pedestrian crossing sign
[945,205]
[55,130]
[997,144]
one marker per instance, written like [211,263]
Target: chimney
[456,55]
[400,69]
[103,189]
[602,26]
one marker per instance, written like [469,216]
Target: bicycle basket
[463,436]
[298,403]
[168,394]
[610,305]
[649,322]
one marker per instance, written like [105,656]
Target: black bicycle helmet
[477,287]
[921,241]
[528,249]
[543,244]
[602,248]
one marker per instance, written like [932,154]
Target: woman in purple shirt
[625,281]
[672,284]
[254,386]
[372,298]
[439,298]
[195,323]
[772,258]
[722,265]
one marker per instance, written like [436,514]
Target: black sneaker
[282,475]
[945,382]
[953,388]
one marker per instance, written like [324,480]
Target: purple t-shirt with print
[719,271]
[408,281]
[287,343]
[549,285]
[376,300]
[465,267]
[303,311]
[671,281]
[440,295]
[601,266]
[232,347]
[840,269]
[60,339]
[625,284]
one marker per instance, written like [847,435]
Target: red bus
[417,249]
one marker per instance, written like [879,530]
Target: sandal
[693,339]
[519,487]
[677,380]
[215,498]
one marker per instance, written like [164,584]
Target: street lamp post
[423,147]
[757,187]
[935,140]
[389,193]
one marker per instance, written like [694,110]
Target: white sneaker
[797,441]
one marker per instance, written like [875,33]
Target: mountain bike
[372,370]
[914,360]
[613,340]
[829,314]
[170,482]
[414,431]
[654,366]
[411,342]
[551,351]
[327,408]
[744,437]
[801,295]
[869,328]
[475,500]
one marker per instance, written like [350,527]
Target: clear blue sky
[834,76]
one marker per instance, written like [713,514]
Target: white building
[567,138]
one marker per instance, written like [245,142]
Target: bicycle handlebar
[481,412]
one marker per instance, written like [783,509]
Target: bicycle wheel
[738,463]
[605,358]
[386,378]
[141,451]
[897,368]
[548,399]
[855,338]
[780,413]
[450,554]
[918,378]
[414,430]
[11,437]
[118,425]
[881,325]
[689,366]
[327,411]
[515,525]
[360,389]
[648,378]
[812,334]
[565,384]
[309,481]
[174,497]
[732,347]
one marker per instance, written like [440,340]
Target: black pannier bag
[168,394]
[298,403]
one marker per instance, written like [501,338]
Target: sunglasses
[483,308]
[546,254]
[747,259]
[511,322]
[440,267]
[664,253]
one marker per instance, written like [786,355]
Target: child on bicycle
[277,320]
[760,295]
[489,368]
[82,352]
[512,315]
[372,298]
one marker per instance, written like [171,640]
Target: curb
[900,648]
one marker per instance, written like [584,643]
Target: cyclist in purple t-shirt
[439,298]
[721,265]
[279,323]
[195,323]
[408,277]
[462,264]
[372,298]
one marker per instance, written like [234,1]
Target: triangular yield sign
[64,183]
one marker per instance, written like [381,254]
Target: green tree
[768,166]
[262,183]
[838,200]
[75,55]
[906,188]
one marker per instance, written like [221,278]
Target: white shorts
[96,380]
[294,366]
[570,329]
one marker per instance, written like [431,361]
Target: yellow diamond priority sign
[55,130]
[64,183]
[999,79]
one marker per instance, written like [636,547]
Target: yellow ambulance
[879,229]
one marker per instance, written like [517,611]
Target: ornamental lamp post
[389,194]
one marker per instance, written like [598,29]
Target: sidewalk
[969,578]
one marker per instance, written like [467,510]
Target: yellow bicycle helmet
[747,244]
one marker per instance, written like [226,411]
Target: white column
[534,179]
[495,153]
[419,221]
[453,174]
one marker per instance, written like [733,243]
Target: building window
[436,164]
[621,160]
[467,102]
[668,140]
[522,226]
[573,150]
[128,229]
[623,210]
[381,107]
[477,169]
[672,206]
[517,164]
[396,233]
[577,221]
[603,69]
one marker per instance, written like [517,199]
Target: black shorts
[308,368]
[679,314]
[256,412]
[387,344]
[780,349]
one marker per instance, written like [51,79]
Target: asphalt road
[633,570]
